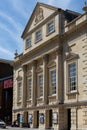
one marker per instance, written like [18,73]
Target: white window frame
[38,37]
[51,93]
[29,89]
[40,86]
[19,91]
[28,43]
[50,25]
[72,88]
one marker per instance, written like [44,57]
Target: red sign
[8,83]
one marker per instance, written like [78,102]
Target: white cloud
[19,7]
[11,21]
[13,35]
[6,52]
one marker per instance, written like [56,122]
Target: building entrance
[69,118]
[37,119]
[50,118]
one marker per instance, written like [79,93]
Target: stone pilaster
[24,87]
[45,78]
[34,84]
[59,71]
[62,120]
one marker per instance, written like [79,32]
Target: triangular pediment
[41,12]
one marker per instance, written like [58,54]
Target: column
[59,78]
[34,84]
[24,87]
[45,79]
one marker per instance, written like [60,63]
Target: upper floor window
[28,42]
[38,35]
[29,85]
[52,82]
[19,93]
[50,27]
[40,85]
[72,77]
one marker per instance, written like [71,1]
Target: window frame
[47,27]
[28,89]
[69,90]
[38,39]
[39,87]
[19,98]
[51,93]
[26,43]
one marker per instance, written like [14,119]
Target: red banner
[8,83]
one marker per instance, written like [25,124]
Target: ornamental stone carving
[39,15]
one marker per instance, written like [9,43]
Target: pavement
[17,128]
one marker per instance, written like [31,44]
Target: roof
[38,4]
[5,61]
[70,15]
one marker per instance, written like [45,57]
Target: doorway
[69,118]
[50,118]
[37,115]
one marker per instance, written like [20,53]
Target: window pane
[72,76]
[53,81]
[51,27]
[29,89]
[19,92]
[38,36]
[41,85]
[28,43]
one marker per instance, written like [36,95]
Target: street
[17,128]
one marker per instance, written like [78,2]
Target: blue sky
[14,15]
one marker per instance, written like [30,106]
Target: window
[19,92]
[72,77]
[53,82]
[29,85]
[40,84]
[50,27]
[38,36]
[28,43]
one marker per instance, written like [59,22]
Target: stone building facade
[50,76]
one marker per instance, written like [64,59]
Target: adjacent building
[6,90]
[50,76]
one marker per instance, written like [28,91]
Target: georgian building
[50,76]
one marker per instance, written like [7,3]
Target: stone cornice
[21,58]
[56,105]
[73,30]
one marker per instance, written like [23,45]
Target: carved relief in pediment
[39,15]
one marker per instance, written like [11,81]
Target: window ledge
[51,96]
[18,102]
[28,47]
[72,92]
[28,100]
[49,33]
[40,98]
[38,40]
